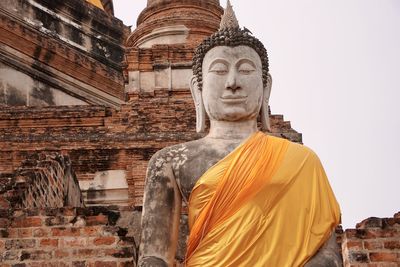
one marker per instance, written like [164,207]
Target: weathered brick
[393,244]
[4,233]
[49,242]
[105,264]
[20,244]
[32,212]
[111,230]
[68,211]
[35,255]
[358,256]
[100,219]
[48,264]
[383,256]
[61,253]
[373,244]
[371,222]
[25,232]
[122,252]
[85,253]
[57,221]
[73,242]
[12,232]
[62,231]
[91,230]
[4,213]
[101,241]
[127,241]
[375,233]
[27,222]
[383,264]
[9,255]
[51,211]
[126,264]
[4,221]
[79,264]
[354,245]
[41,232]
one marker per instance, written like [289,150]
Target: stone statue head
[231,81]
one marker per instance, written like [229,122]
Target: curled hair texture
[229,37]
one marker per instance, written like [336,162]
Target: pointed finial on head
[229,20]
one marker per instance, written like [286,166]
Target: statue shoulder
[173,156]
[302,149]
[303,153]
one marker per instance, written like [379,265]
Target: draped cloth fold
[267,203]
[96,3]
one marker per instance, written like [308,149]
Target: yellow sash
[96,3]
[268,203]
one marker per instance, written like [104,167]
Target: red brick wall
[66,237]
[109,236]
[374,243]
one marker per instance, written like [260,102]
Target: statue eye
[246,68]
[219,68]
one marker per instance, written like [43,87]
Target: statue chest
[194,167]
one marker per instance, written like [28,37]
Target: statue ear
[199,105]
[265,122]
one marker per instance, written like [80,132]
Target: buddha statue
[253,199]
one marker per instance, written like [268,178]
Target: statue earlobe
[265,122]
[199,105]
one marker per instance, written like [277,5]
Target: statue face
[232,83]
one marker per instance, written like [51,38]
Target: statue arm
[328,255]
[161,213]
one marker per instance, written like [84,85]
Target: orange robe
[268,203]
[96,3]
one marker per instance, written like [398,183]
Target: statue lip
[233,99]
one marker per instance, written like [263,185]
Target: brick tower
[176,21]
[159,51]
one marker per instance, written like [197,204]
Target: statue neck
[237,130]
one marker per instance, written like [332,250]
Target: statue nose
[231,83]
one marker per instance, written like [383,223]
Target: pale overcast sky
[335,69]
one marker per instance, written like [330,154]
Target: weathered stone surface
[66,51]
[19,89]
[200,17]
[107,187]
[43,180]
